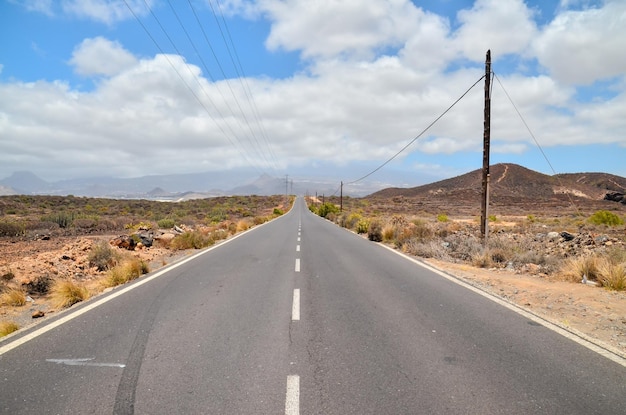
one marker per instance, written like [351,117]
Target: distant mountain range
[511,182]
[508,183]
[165,187]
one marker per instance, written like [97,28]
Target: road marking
[298,239]
[295,308]
[297,264]
[84,362]
[292,401]
[297,248]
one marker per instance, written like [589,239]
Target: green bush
[604,217]
[362,226]
[442,217]
[278,212]
[11,228]
[63,219]
[166,223]
[327,208]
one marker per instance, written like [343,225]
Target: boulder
[125,242]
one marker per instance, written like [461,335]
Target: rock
[146,239]
[615,197]
[38,314]
[125,242]
[567,236]
[552,236]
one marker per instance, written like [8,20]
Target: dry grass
[8,327]
[128,270]
[243,225]
[14,297]
[66,293]
[612,276]
[576,268]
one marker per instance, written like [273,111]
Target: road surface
[299,316]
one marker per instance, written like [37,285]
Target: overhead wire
[210,74]
[419,135]
[241,149]
[536,141]
[243,79]
[256,144]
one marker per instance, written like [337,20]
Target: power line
[244,81]
[536,142]
[228,83]
[419,135]
[185,82]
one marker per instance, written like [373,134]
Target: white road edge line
[571,334]
[295,307]
[90,306]
[297,264]
[292,401]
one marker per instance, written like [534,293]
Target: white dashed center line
[295,308]
[292,402]
[297,264]
[297,248]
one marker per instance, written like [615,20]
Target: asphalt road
[301,317]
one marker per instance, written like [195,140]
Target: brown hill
[604,181]
[512,186]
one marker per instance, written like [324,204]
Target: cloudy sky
[330,88]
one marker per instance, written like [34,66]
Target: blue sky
[311,89]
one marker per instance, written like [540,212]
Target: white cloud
[100,56]
[352,103]
[583,46]
[504,26]
[39,6]
[329,28]
[106,11]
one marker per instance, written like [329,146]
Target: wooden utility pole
[341,198]
[484,218]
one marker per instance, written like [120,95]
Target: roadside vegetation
[587,248]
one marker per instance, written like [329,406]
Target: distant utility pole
[484,218]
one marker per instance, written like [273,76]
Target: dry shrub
[612,276]
[426,249]
[103,256]
[39,285]
[130,269]
[8,327]
[243,225]
[375,231]
[575,268]
[66,293]
[14,297]
[389,232]
[482,259]
[192,240]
